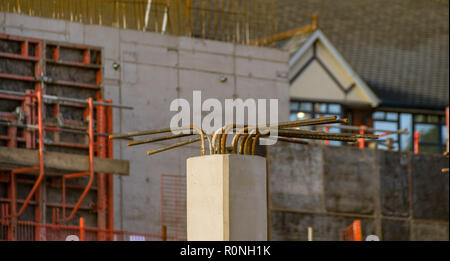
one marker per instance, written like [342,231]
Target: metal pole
[82,230]
[91,163]
[310,234]
[416,142]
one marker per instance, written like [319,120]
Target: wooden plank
[57,163]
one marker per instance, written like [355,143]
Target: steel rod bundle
[246,138]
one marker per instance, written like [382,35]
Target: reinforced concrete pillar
[226,198]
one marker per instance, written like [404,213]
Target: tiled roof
[400,48]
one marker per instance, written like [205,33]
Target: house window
[432,129]
[306,110]
[302,110]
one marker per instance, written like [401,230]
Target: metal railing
[32,231]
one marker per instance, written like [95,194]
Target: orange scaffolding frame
[353,232]
[29,99]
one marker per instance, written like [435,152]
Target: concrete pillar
[226,198]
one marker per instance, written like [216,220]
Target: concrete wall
[154,70]
[397,196]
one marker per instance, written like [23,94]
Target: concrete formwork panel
[226,198]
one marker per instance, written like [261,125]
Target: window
[432,129]
[306,110]
[302,110]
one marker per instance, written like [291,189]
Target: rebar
[179,144]
[169,137]
[285,131]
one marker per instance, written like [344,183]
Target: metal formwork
[51,100]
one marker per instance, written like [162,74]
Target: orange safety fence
[173,206]
[352,232]
[32,231]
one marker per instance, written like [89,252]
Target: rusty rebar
[168,137]
[364,136]
[179,144]
[284,139]
[199,131]
[250,135]
[315,136]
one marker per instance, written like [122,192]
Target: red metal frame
[101,146]
[91,169]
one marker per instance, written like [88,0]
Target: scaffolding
[239,21]
[44,108]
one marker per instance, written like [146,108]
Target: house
[389,84]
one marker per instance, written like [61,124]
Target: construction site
[88,151]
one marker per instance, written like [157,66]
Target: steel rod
[179,144]
[364,136]
[294,134]
[169,137]
[284,139]
[41,155]
[149,132]
[356,128]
